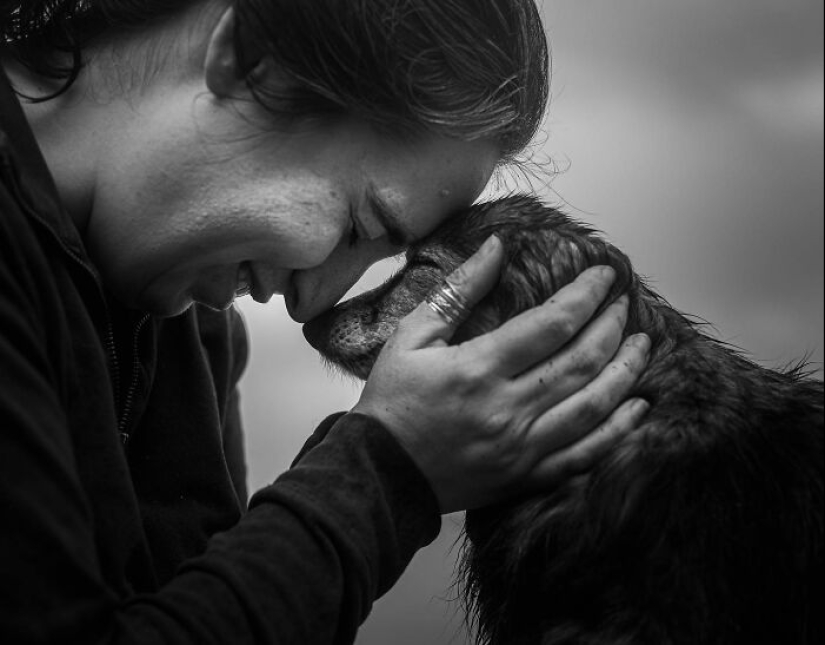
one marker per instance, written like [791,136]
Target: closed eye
[354,235]
[421,260]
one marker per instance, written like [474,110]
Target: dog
[703,527]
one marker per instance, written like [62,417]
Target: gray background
[691,132]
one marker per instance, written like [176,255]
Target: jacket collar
[39,195]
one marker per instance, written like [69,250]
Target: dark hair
[463,68]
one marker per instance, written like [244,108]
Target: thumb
[470,283]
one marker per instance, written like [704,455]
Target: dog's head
[545,250]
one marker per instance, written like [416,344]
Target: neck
[69,131]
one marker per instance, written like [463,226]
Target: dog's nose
[317,330]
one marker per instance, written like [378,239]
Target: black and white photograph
[412,322]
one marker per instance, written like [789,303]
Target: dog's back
[705,526]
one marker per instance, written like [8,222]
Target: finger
[536,334]
[581,456]
[570,420]
[577,364]
[471,281]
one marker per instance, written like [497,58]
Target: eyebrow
[389,218]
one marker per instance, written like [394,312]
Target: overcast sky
[691,132]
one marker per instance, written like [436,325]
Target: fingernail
[607,273]
[489,245]
[642,341]
[640,407]
[602,273]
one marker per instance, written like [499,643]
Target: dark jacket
[122,486]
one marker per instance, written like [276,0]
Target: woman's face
[196,203]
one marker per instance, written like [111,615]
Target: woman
[167,157]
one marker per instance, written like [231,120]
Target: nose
[317,331]
[318,290]
[314,296]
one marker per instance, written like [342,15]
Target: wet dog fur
[703,527]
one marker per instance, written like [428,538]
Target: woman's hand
[519,409]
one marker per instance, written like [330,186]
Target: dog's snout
[317,330]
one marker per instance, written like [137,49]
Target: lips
[264,281]
[245,280]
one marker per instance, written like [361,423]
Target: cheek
[287,224]
[167,250]
[169,210]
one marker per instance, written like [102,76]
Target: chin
[161,306]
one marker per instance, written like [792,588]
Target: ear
[224,73]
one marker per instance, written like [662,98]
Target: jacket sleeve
[314,551]
[302,567]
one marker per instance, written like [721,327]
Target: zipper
[128,402]
[111,349]
[111,352]
[23,203]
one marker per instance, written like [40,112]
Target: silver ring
[449,304]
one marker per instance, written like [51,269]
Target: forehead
[424,182]
[458,170]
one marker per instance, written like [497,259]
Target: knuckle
[459,278]
[473,371]
[577,462]
[630,366]
[512,456]
[500,445]
[628,361]
[592,409]
[498,421]
[626,377]
[586,363]
[506,440]
[620,370]
[565,326]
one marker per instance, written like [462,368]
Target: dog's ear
[545,249]
[551,249]
[526,230]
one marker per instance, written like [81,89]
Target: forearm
[305,564]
